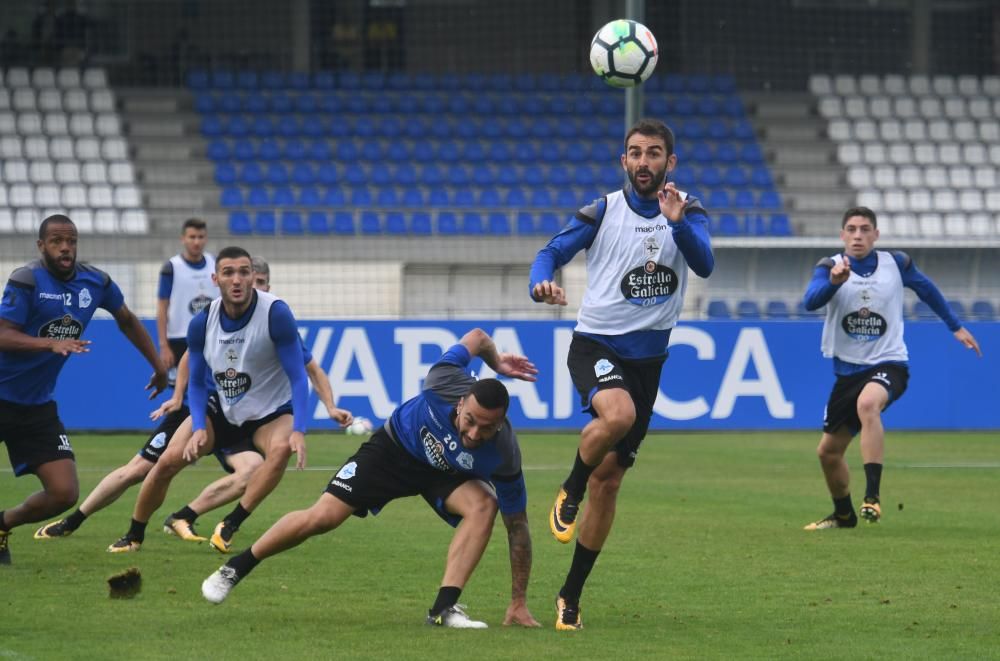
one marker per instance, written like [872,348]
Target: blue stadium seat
[516,197]
[231,196]
[413,197]
[255,103]
[239,223]
[780,225]
[458,175]
[726,152]
[355,175]
[718,310]
[498,223]
[447,223]
[281,104]
[756,224]
[420,223]
[265,223]
[439,197]
[272,80]
[718,199]
[309,196]
[327,174]
[464,197]
[432,175]
[472,223]
[489,198]
[742,130]
[218,150]
[251,174]
[261,127]
[324,80]
[958,307]
[212,126]
[244,150]
[258,197]
[267,150]
[769,199]
[246,80]
[744,199]
[541,197]
[343,222]
[395,223]
[238,127]
[526,223]
[371,223]
[567,198]
[710,176]
[735,177]
[298,80]
[760,177]
[751,152]
[223,80]
[306,104]
[313,126]
[684,106]
[983,311]
[346,151]
[317,223]
[802,313]
[361,196]
[303,174]
[277,174]
[717,129]
[387,197]
[777,310]
[548,223]
[283,196]
[319,150]
[197,79]
[291,223]
[922,311]
[334,196]
[225,174]
[729,225]
[684,177]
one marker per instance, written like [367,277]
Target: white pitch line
[972,466]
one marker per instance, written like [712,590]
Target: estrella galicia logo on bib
[864,325]
[434,451]
[650,284]
[198,303]
[232,384]
[63,328]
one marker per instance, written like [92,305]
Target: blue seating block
[239,223]
[291,223]
[265,223]
[317,223]
[718,310]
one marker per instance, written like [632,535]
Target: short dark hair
[260,266]
[491,394]
[864,212]
[652,127]
[193,223]
[55,219]
[231,252]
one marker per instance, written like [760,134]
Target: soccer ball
[359,427]
[623,53]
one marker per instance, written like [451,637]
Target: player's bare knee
[62,497]
[604,486]
[869,409]
[278,453]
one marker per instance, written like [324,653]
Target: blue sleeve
[307,356]
[166,286]
[288,342]
[197,390]
[692,239]
[576,236]
[15,306]
[512,495]
[113,298]
[457,355]
[820,290]
[926,290]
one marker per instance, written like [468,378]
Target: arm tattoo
[519,542]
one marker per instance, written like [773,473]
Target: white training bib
[636,275]
[864,319]
[191,292]
[244,364]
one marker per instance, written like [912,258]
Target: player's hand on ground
[169,406]
[966,338]
[518,613]
[841,271]
[157,383]
[672,203]
[518,367]
[194,445]
[66,347]
[343,417]
[297,443]
[549,292]
[167,356]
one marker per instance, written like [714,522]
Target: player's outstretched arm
[133,329]
[321,382]
[519,543]
[176,400]
[479,343]
[12,338]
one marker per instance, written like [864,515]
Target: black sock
[236,518]
[3,525]
[576,484]
[873,475]
[583,562]
[137,531]
[75,520]
[243,563]
[186,513]
[843,507]
[447,597]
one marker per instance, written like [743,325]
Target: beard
[656,182]
[54,266]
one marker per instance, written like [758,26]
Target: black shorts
[34,435]
[158,440]
[842,407]
[593,367]
[230,438]
[382,471]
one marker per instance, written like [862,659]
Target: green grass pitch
[707,560]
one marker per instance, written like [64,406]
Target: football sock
[243,563]
[186,513]
[236,518]
[843,507]
[74,520]
[576,484]
[583,562]
[3,525]
[873,475]
[447,597]
[137,531]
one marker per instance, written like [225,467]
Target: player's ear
[671,162]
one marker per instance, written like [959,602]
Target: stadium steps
[803,160]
